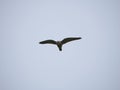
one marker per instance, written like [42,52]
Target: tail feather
[60,48]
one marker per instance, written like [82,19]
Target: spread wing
[70,39]
[48,42]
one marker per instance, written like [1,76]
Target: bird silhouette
[60,43]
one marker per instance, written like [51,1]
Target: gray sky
[91,63]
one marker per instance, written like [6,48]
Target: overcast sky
[92,63]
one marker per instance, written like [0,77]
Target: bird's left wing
[48,42]
[70,39]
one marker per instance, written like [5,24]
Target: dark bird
[60,43]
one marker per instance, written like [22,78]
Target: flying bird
[60,43]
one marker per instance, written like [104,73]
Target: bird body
[60,43]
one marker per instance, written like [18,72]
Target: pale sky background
[92,63]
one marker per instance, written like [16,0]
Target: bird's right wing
[48,42]
[70,39]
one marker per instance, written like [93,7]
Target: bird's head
[59,43]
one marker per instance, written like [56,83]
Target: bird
[60,43]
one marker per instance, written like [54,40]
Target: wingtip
[39,42]
[80,37]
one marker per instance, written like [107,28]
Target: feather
[70,39]
[48,42]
